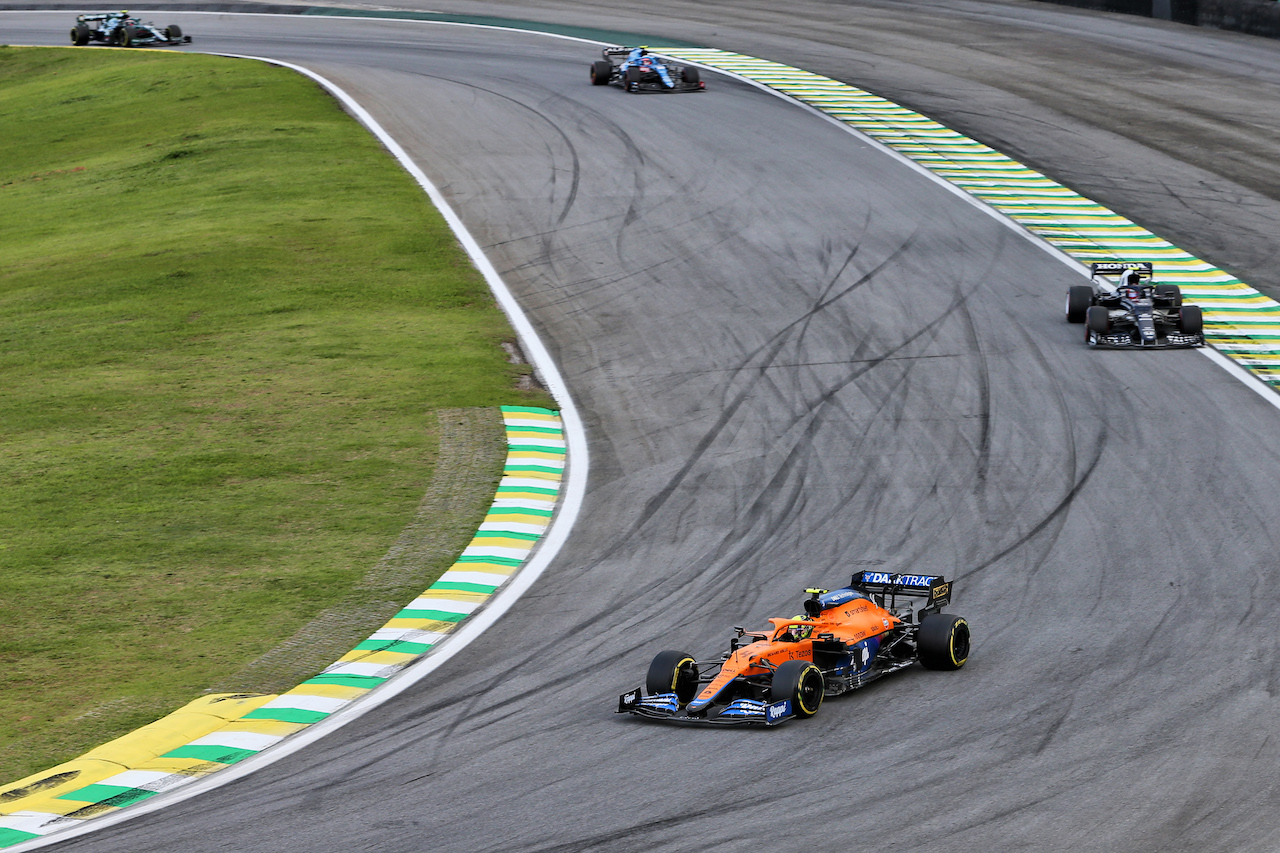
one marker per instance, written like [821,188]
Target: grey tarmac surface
[798,359]
[1177,126]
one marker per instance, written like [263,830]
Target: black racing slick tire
[1191,320]
[943,642]
[691,76]
[1098,319]
[79,35]
[1170,292]
[673,672]
[800,681]
[632,79]
[1079,298]
[124,36]
[601,71]
[173,32]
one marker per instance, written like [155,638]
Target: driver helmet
[800,632]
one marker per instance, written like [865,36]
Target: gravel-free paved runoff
[797,359]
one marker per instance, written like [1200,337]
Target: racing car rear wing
[934,589]
[1144,268]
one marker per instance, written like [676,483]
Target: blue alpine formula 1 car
[635,69]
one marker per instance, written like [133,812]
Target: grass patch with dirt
[227,318]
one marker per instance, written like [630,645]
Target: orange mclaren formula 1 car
[879,624]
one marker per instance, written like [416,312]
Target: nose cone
[738,662]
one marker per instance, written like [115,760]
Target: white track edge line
[573,493]
[1249,378]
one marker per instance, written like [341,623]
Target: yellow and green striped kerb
[1239,321]
[213,732]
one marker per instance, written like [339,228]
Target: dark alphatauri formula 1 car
[122,30]
[881,623]
[1134,311]
[637,70]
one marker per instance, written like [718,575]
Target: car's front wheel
[673,672]
[943,641]
[1191,320]
[1097,319]
[800,681]
[631,81]
[691,76]
[173,32]
[1079,298]
[125,36]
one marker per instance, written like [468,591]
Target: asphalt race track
[798,359]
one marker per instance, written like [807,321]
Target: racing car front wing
[1128,340]
[665,706]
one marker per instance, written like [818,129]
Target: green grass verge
[226,318]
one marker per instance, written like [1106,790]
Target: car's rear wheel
[1170,293]
[691,76]
[943,641]
[632,79]
[173,32]
[1191,320]
[1098,319]
[1079,298]
[601,71]
[673,672]
[125,36]
[79,35]
[800,681]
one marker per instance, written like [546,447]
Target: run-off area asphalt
[796,359]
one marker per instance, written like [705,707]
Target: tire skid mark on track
[1074,480]
[782,481]
[756,370]
[645,836]
[1240,322]
[1057,514]
[982,374]
[571,193]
